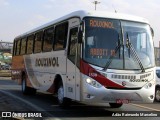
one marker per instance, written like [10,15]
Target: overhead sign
[100,23]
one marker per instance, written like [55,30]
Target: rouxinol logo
[139,80]
[47,62]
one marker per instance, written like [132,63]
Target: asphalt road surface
[45,106]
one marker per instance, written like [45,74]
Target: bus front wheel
[157,94]
[115,105]
[63,101]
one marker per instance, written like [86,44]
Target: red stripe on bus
[86,69]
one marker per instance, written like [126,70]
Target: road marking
[30,104]
[145,107]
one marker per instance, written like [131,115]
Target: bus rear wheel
[115,105]
[27,90]
[157,94]
[62,101]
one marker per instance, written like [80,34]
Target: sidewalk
[5,78]
[5,73]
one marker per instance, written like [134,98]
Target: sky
[20,16]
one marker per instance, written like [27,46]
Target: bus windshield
[117,44]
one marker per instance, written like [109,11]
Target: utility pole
[96,2]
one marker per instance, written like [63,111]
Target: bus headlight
[149,84]
[93,83]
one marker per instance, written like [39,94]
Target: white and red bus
[88,57]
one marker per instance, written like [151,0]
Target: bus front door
[73,74]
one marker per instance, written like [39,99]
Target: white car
[157,90]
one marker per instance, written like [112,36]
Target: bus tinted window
[48,39]
[61,36]
[30,44]
[38,42]
[18,47]
[72,44]
[23,46]
[14,48]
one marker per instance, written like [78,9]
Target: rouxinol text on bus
[47,62]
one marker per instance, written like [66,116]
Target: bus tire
[157,94]
[27,90]
[115,105]
[62,101]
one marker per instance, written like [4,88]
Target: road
[11,99]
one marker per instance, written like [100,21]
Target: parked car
[5,67]
[157,89]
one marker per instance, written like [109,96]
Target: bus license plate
[125,101]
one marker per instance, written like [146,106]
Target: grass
[5,73]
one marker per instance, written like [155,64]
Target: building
[5,52]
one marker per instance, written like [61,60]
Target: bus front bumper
[103,95]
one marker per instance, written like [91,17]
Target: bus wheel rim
[158,95]
[60,95]
[23,85]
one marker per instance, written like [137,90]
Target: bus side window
[72,44]
[18,47]
[23,46]
[30,44]
[61,36]
[14,47]
[48,39]
[38,42]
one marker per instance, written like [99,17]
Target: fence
[157,56]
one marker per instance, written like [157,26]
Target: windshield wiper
[111,57]
[135,56]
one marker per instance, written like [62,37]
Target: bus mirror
[152,31]
[80,35]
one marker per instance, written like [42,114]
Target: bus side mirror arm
[80,36]
[80,32]
[152,31]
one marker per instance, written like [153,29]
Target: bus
[89,57]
